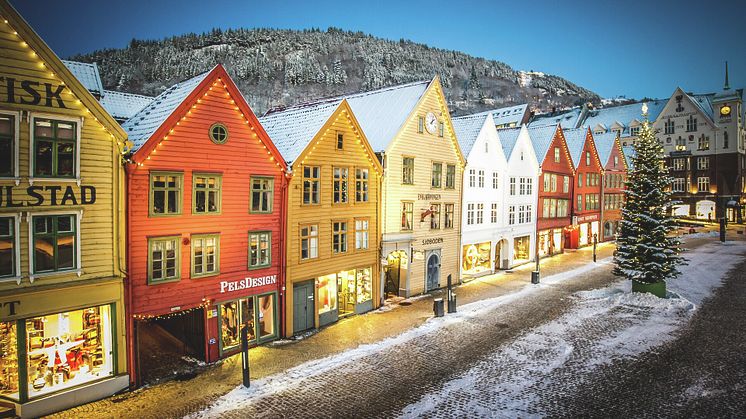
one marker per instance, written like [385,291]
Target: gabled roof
[467,129]
[144,123]
[508,139]
[381,113]
[567,118]
[27,34]
[87,74]
[623,114]
[629,153]
[508,115]
[293,129]
[704,102]
[575,139]
[605,144]
[123,106]
[541,139]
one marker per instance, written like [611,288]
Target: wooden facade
[61,232]
[223,277]
[615,174]
[586,202]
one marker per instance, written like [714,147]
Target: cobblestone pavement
[377,383]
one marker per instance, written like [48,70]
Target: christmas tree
[647,253]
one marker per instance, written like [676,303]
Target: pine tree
[647,253]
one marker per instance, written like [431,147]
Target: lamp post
[245,355]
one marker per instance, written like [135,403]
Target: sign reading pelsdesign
[247,283]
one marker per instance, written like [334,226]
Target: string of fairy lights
[145,317]
[35,54]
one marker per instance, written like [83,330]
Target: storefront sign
[434,240]
[587,218]
[9,307]
[52,195]
[247,283]
[43,94]
[428,196]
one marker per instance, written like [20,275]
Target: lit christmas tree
[647,253]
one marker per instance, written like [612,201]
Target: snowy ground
[510,379]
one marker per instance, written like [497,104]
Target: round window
[218,133]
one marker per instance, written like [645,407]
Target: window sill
[256,268]
[31,180]
[153,215]
[33,277]
[15,179]
[16,279]
[163,281]
[201,276]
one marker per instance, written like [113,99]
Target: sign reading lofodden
[247,283]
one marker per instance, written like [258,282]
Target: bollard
[535,277]
[452,303]
[438,307]
[245,355]
[722,229]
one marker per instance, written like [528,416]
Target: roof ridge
[129,94]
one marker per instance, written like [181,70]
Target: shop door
[392,273]
[498,260]
[433,270]
[303,306]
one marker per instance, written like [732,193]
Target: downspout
[129,320]
[283,250]
[603,201]
[379,231]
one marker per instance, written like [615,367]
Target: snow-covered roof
[504,117]
[704,102]
[467,130]
[144,123]
[567,118]
[604,145]
[381,113]
[123,106]
[508,139]
[575,139]
[541,139]
[623,114]
[629,152]
[87,74]
[293,129]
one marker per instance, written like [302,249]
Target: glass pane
[42,128]
[6,157]
[6,125]
[43,254]
[229,317]
[212,203]
[266,316]
[172,202]
[64,224]
[66,252]
[327,290]
[247,316]
[159,202]
[6,227]
[7,263]
[9,360]
[159,181]
[43,160]
[172,181]
[68,349]
[199,201]
[364,285]
[65,159]
[65,130]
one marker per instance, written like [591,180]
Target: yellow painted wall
[426,148]
[323,153]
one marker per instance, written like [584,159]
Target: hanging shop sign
[51,195]
[28,92]
[246,283]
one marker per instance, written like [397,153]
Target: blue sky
[633,48]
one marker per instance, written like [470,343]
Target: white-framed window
[472,178]
[9,144]
[521,214]
[480,213]
[679,164]
[529,185]
[527,213]
[522,186]
[512,186]
[678,184]
[481,178]
[546,178]
[511,214]
[566,184]
[10,248]
[703,184]
[469,214]
[54,245]
[556,154]
[54,151]
[703,163]
[703,143]
[587,158]
[309,241]
[691,124]
[361,234]
[495,180]
[668,127]
[634,131]
[493,214]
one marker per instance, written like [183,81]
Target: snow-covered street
[514,355]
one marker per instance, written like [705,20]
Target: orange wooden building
[206,202]
[615,174]
[586,203]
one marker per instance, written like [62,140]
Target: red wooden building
[555,187]
[610,151]
[586,202]
[206,202]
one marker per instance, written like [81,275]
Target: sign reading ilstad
[51,195]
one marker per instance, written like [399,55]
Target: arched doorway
[395,271]
[432,273]
[706,210]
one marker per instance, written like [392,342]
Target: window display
[364,285]
[521,248]
[327,288]
[230,325]
[68,349]
[235,314]
[8,360]
[475,258]
[346,290]
[266,316]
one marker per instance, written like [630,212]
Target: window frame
[15,144]
[365,232]
[450,176]
[407,175]
[409,214]
[177,259]
[202,236]
[340,140]
[180,186]
[16,240]
[312,181]
[77,263]
[218,190]
[435,209]
[344,185]
[448,219]
[699,182]
[78,121]
[310,238]
[343,233]
[271,191]
[557,155]
[365,192]
[248,247]
[438,178]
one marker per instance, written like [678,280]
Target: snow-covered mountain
[282,67]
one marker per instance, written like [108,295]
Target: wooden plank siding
[562,168]
[620,168]
[322,152]
[426,148]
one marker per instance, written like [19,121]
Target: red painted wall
[562,168]
[610,168]
[584,169]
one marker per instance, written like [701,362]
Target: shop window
[9,361]
[164,256]
[262,189]
[475,258]
[7,145]
[68,349]
[8,248]
[407,176]
[311,184]
[55,144]
[233,316]
[448,219]
[361,185]
[165,193]
[407,215]
[364,285]
[266,323]
[437,174]
[55,246]
[521,248]
[361,234]
[339,237]
[205,255]
[481,178]
[327,292]
[340,185]
[309,241]
[206,190]
[450,176]
[260,249]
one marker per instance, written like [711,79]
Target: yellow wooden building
[62,329]
[409,126]
[332,229]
